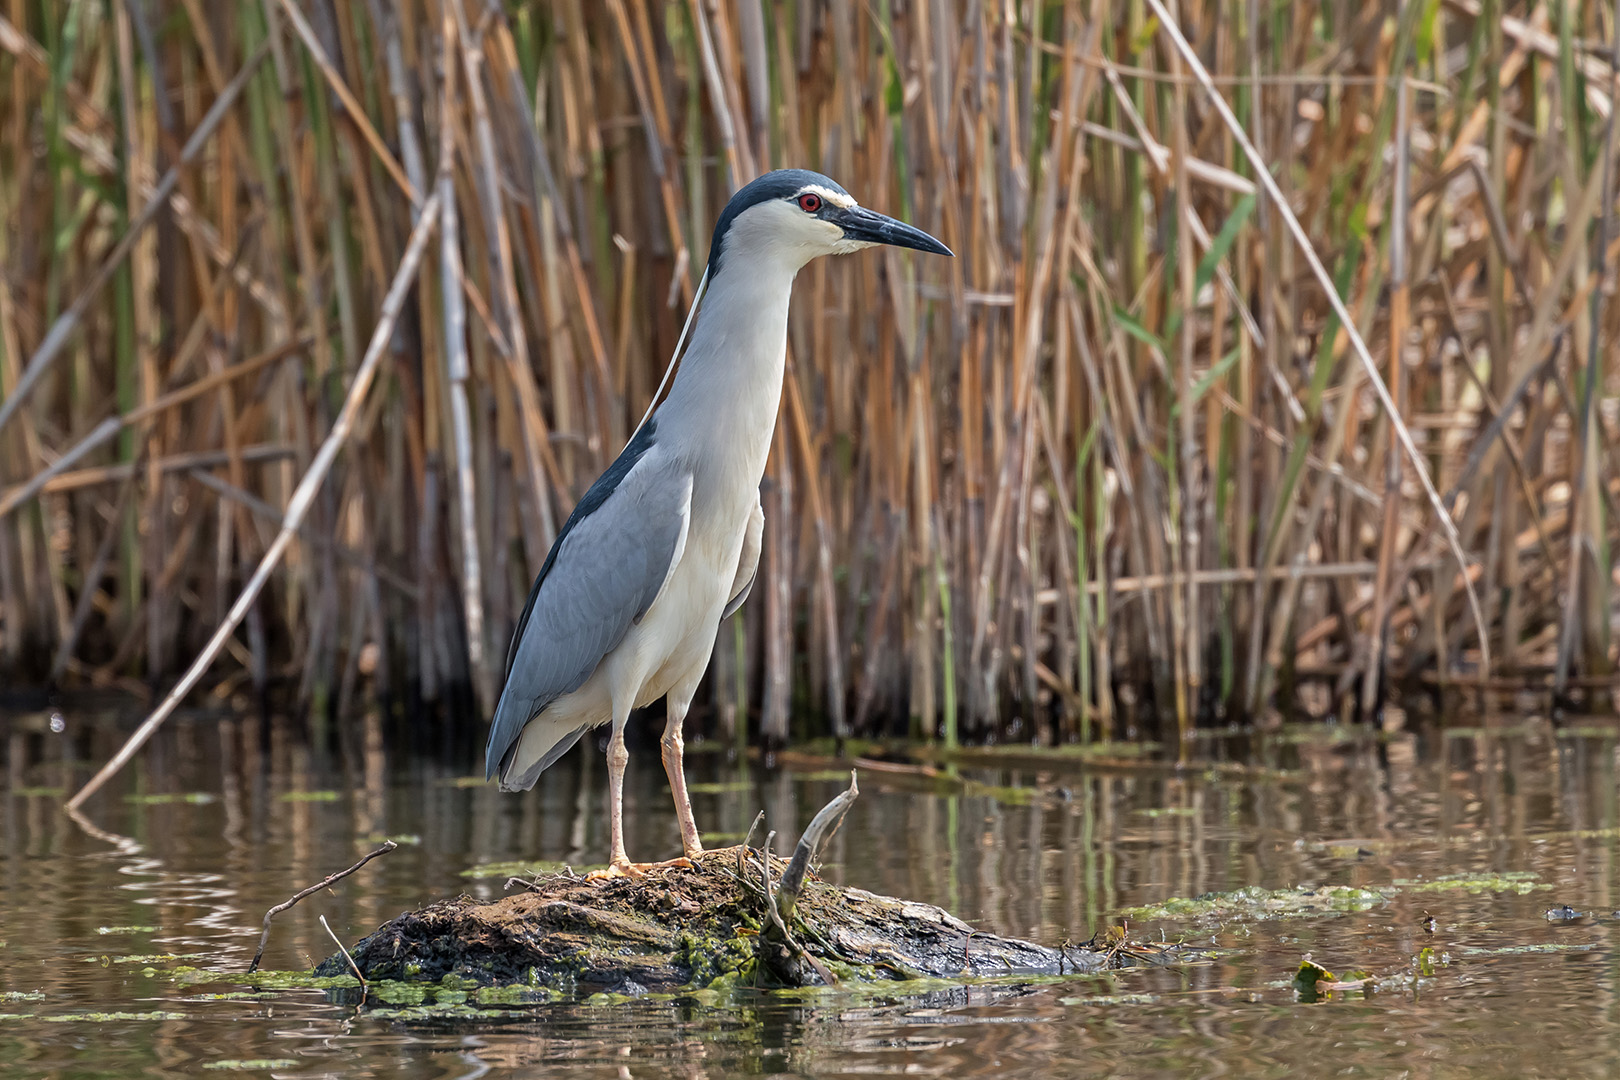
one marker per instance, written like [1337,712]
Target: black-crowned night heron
[665,544]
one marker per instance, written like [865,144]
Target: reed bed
[1117,470]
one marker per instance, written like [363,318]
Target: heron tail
[536,748]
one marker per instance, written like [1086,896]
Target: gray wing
[607,567]
[747,562]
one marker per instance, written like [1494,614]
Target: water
[222,818]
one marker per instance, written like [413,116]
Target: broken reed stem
[325,883]
[297,506]
[821,826]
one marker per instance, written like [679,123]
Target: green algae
[251,1064]
[1111,999]
[265,979]
[16,1016]
[38,792]
[1005,795]
[1254,902]
[146,959]
[515,994]
[1519,881]
[112,1017]
[22,995]
[169,798]
[126,929]
[442,1012]
[724,787]
[1531,950]
[310,796]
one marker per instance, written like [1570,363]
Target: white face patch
[833,198]
[780,231]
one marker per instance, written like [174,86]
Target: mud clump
[710,926]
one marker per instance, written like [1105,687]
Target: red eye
[810,202]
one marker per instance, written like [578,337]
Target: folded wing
[608,565]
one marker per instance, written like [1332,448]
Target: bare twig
[354,967]
[325,883]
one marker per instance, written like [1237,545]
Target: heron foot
[634,870]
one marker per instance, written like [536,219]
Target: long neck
[724,399]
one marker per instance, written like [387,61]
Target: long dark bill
[860,223]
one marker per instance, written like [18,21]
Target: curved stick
[297,506]
[787,890]
[325,882]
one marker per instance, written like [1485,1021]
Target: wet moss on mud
[682,930]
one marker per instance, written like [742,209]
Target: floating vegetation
[310,796]
[411,839]
[126,929]
[111,1017]
[38,792]
[1167,811]
[22,995]
[168,798]
[1254,902]
[724,787]
[439,1012]
[462,782]
[266,979]
[251,1064]
[1517,881]
[1311,973]
[1531,949]
[1111,999]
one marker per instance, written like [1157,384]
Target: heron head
[791,216]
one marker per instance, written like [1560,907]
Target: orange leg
[620,865]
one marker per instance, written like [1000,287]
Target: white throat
[728,386]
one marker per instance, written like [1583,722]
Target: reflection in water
[221,818]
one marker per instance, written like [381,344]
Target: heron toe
[638,869]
